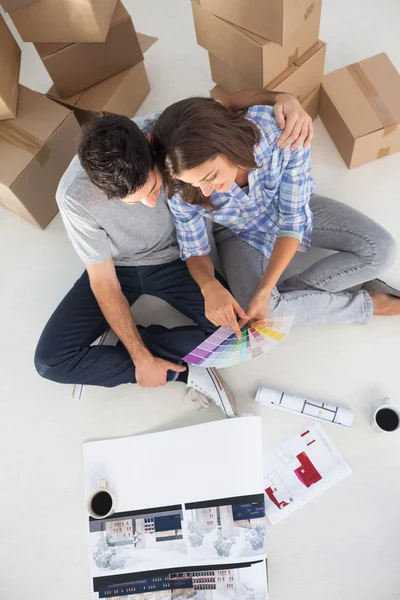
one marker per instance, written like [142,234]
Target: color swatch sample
[223,349]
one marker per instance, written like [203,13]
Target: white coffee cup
[386,417]
[101,502]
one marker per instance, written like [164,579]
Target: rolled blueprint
[311,408]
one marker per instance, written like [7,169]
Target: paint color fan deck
[223,349]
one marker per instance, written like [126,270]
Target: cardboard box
[304,75]
[227,77]
[36,148]
[64,20]
[310,103]
[275,20]
[360,107]
[219,94]
[299,79]
[10,61]
[258,58]
[74,67]
[121,94]
[11,4]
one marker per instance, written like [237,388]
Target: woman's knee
[385,251]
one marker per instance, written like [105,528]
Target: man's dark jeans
[64,352]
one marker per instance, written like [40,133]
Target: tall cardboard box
[74,67]
[36,148]
[360,107]
[64,20]
[275,20]
[300,79]
[310,102]
[10,60]
[11,4]
[121,94]
[257,58]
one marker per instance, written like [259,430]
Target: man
[115,211]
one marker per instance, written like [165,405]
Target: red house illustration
[306,473]
[279,504]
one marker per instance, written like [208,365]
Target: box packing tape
[293,57]
[25,141]
[377,104]
[383,152]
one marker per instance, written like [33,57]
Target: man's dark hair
[115,154]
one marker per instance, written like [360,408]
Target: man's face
[149,193]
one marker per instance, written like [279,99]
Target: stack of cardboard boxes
[95,58]
[275,44]
[269,43]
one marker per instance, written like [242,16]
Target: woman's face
[215,175]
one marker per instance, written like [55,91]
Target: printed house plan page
[189,519]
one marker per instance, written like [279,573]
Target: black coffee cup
[387,417]
[101,502]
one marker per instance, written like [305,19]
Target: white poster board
[189,517]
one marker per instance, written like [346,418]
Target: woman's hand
[258,308]
[221,307]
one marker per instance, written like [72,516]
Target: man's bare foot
[385,305]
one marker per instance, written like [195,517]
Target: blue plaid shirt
[276,204]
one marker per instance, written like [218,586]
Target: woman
[226,166]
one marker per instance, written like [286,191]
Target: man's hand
[290,115]
[152,371]
[257,309]
[221,307]
[297,125]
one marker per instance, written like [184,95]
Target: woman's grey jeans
[363,248]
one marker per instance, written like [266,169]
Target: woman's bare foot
[385,305]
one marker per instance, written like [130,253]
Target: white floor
[346,543]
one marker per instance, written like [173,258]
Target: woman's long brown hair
[192,131]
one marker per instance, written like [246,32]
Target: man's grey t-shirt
[100,228]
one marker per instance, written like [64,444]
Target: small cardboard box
[310,103]
[360,107]
[75,67]
[258,58]
[11,4]
[121,94]
[36,148]
[64,20]
[275,20]
[10,61]
[301,78]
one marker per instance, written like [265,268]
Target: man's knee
[46,364]
[42,362]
